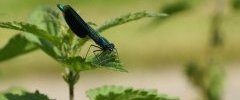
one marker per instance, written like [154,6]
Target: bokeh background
[154,53]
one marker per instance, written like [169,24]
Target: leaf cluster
[176,7]
[19,94]
[235,4]
[47,31]
[122,93]
[207,77]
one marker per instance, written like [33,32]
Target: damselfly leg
[97,56]
[90,48]
[116,51]
[100,57]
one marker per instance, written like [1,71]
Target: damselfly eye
[61,7]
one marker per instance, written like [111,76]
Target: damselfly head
[61,7]
[111,46]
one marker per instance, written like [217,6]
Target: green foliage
[27,96]
[128,18]
[35,32]
[45,19]
[176,7]
[47,30]
[235,4]
[105,59]
[216,32]
[172,9]
[108,58]
[121,93]
[52,37]
[217,38]
[19,94]
[17,45]
[30,28]
[71,78]
[208,78]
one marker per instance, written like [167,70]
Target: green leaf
[108,59]
[104,59]
[50,49]
[47,19]
[20,94]
[128,18]
[208,78]
[77,63]
[18,45]
[176,7]
[171,9]
[46,41]
[13,90]
[30,28]
[71,77]
[26,96]
[122,93]
[92,23]
[235,4]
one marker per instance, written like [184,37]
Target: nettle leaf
[122,93]
[20,94]
[50,21]
[47,19]
[77,63]
[172,9]
[109,60]
[176,7]
[105,59]
[92,23]
[235,4]
[208,78]
[22,44]
[17,45]
[46,42]
[128,18]
[30,28]
[26,96]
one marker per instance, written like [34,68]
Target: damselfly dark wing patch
[76,23]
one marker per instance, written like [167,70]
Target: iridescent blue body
[82,29]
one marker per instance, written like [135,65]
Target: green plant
[122,93]
[20,94]
[235,4]
[207,77]
[208,74]
[176,7]
[172,9]
[46,31]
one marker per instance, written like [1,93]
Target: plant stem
[71,91]
[71,77]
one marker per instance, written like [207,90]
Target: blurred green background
[152,53]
